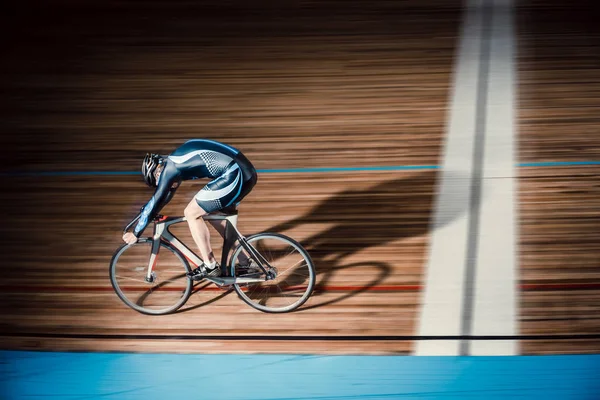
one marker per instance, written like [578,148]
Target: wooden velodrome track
[92,86]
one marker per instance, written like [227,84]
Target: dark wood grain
[560,225]
[559,81]
[361,234]
[93,86]
[292,84]
[300,84]
[559,108]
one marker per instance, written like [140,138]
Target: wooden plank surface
[560,221]
[367,82]
[559,105]
[559,81]
[362,237]
[94,85]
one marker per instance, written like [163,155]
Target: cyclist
[233,177]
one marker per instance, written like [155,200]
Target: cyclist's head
[151,162]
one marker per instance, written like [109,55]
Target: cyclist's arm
[168,197]
[164,193]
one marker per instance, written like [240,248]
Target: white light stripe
[442,301]
[187,156]
[495,308]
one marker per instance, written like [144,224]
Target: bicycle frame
[162,232]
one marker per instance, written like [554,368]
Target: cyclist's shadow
[389,211]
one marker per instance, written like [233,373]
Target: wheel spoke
[131,279]
[290,268]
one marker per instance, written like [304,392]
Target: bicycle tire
[251,299]
[183,285]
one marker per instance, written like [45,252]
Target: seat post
[231,236]
[232,219]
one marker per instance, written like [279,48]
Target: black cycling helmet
[151,162]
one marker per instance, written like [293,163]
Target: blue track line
[558,163]
[69,173]
[299,170]
[349,169]
[260,171]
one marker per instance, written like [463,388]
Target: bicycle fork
[158,231]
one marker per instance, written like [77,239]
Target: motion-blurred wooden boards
[560,225]
[292,84]
[559,96]
[559,81]
[363,236]
[95,85]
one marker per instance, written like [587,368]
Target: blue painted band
[127,376]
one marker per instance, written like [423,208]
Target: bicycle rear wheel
[170,287]
[293,269]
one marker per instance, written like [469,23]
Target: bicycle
[156,288]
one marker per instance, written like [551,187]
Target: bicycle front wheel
[169,288]
[291,267]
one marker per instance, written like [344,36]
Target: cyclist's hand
[129,238]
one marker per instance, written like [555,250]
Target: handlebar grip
[129,225]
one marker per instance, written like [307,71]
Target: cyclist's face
[157,173]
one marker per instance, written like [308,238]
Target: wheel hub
[272,273]
[152,278]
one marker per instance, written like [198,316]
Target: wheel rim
[170,288]
[294,279]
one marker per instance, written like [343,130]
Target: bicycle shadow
[199,288]
[389,211]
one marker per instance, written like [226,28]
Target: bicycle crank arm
[232,280]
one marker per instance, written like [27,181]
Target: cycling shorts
[230,188]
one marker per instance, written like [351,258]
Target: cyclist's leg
[216,195]
[246,173]
[200,233]
[249,180]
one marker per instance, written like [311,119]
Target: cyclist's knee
[193,211]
